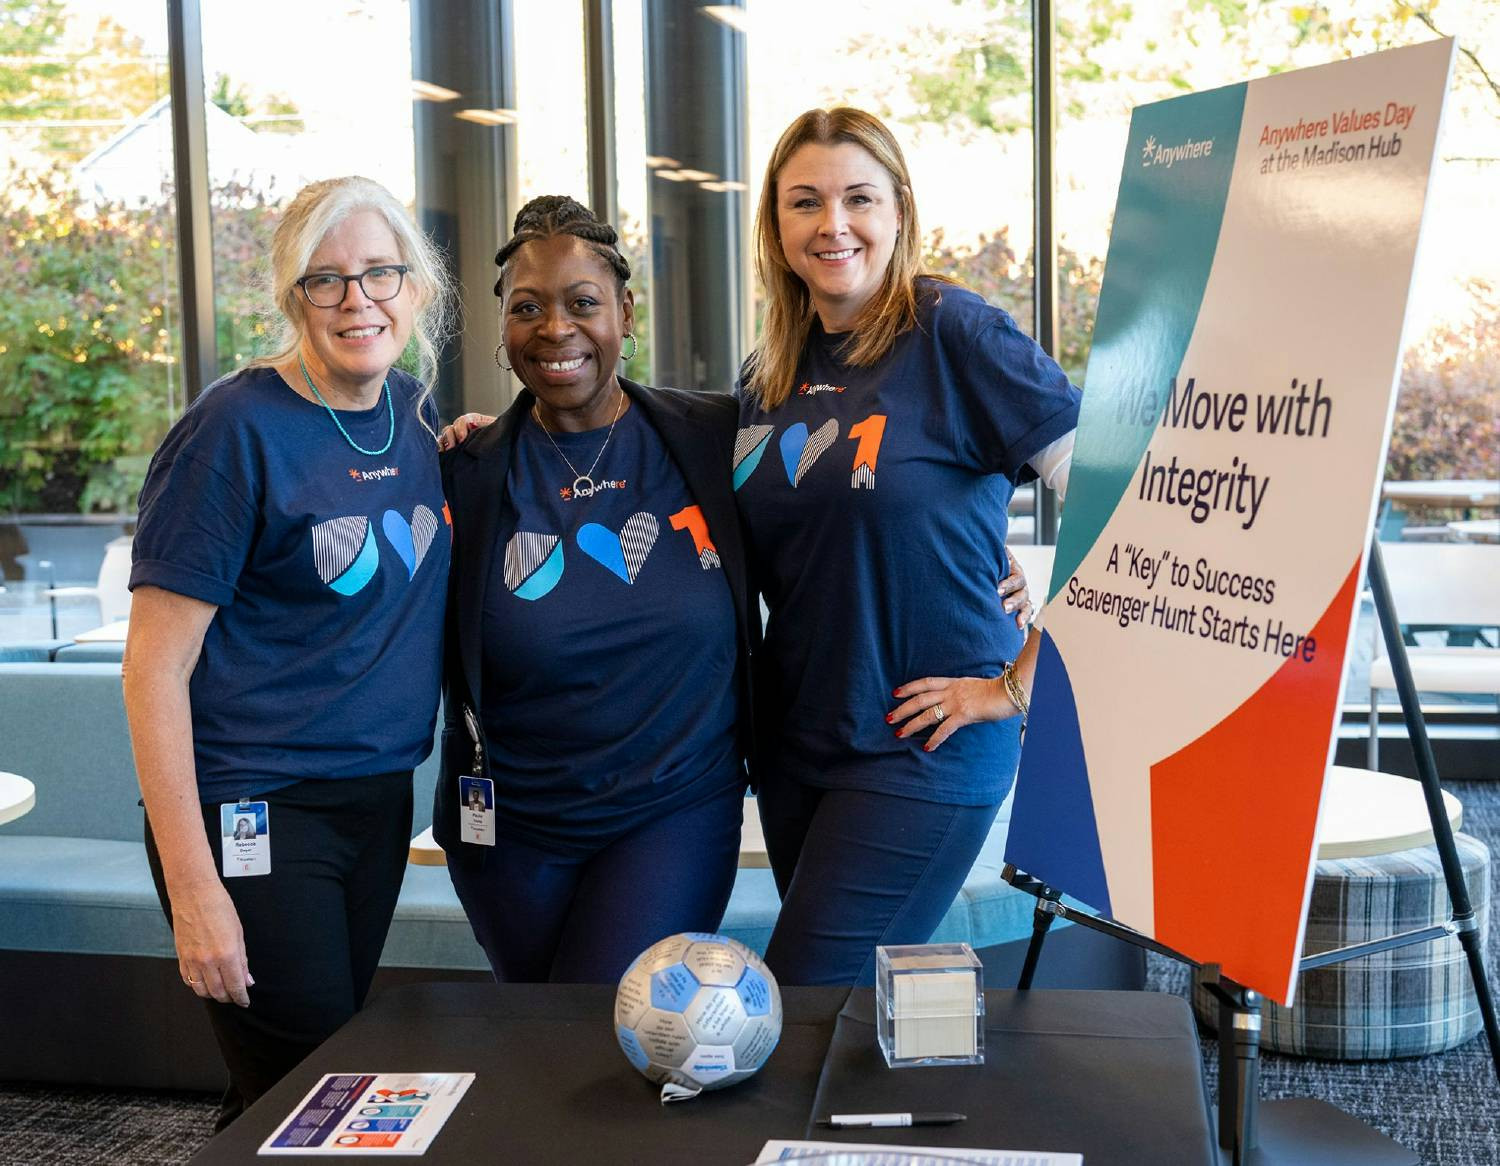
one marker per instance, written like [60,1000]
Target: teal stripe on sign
[1166,230]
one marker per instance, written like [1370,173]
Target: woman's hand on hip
[1015,595]
[211,945]
[456,434]
[946,704]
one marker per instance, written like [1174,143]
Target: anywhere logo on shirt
[570,493]
[807,390]
[375,475]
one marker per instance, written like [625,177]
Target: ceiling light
[427,91]
[662,162]
[489,117]
[696,175]
[672,175]
[722,187]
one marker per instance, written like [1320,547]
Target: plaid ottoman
[1403,1003]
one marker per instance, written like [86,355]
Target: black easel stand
[1270,1133]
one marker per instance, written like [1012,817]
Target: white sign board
[1236,412]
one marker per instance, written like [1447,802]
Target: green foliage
[236,101]
[27,30]
[99,83]
[85,358]
[89,378]
[242,226]
[229,97]
[1447,421]
[994,271]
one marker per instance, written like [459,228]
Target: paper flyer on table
[1237,408]
[396,1114]
[878,1155]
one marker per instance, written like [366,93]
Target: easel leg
[1041,921]
[1239,1065]
[1416,727]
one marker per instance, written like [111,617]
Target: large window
[88,291]
[284,110]
[1113,57]
[954,83]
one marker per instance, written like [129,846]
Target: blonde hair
[318,209]
[789,307]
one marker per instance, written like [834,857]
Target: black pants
[314,926]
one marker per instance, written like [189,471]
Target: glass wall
[954,84]
[551,118]
[1113,57]
[88,300]
[464,109]
[282,111]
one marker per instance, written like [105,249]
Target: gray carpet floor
[1445,1107]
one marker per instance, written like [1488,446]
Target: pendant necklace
[389,437]
[583,484]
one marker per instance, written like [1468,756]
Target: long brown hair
[789,307]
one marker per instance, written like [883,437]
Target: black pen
[888,1120]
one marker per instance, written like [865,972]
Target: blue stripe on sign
[1054,835]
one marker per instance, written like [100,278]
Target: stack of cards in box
[929,1001]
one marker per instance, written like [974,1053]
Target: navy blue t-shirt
[329,569]
[609,642]
[875,503]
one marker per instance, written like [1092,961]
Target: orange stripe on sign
[1233,817]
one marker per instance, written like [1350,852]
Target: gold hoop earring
[499,348]
[635,346]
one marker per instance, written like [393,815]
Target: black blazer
[698,430]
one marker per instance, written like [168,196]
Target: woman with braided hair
[599,626]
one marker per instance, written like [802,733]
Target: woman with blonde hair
[886,418]
[291,565]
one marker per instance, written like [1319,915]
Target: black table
[1115,1076]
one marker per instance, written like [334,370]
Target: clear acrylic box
[929,1004]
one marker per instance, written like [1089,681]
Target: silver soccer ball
[697,1011]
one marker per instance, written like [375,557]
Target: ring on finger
[938,714]
[191,983]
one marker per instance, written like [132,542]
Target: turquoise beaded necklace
[389,437]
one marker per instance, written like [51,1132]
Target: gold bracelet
[1014,690]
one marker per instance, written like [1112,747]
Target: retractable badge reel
[476,793]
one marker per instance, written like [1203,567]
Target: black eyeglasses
[327,290]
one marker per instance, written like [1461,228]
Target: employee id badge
[245,838]
[476,810]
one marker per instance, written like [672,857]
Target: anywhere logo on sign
[1153,153]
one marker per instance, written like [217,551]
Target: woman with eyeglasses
[281,671]
[600,628]
[887,416]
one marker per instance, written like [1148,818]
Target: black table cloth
[1115,1076]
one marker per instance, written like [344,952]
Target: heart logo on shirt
[799,450]
[344,553]
[749,444]
[410,540]
[533,564]
[623,553]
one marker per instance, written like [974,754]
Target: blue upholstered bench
[75,888]
[73,874]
